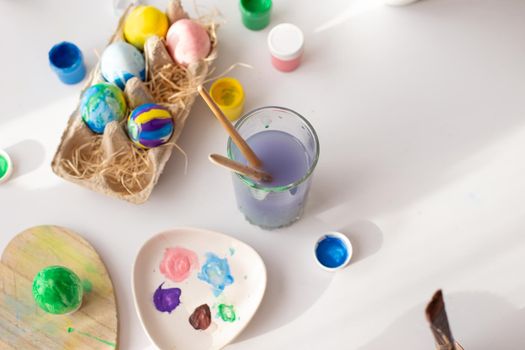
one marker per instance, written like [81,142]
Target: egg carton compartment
[110,163]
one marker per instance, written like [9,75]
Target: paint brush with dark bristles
[437,317]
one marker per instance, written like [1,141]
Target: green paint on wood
[87,285]
[108,343]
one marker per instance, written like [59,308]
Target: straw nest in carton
[110,163]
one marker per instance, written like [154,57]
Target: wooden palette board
[25,326]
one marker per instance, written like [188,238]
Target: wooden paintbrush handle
[237,139]
[240,168]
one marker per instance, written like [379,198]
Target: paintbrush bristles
[437,317]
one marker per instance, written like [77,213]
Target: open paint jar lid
[333,251]
[6,166]
[286,41]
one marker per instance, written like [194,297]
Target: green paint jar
[255,13]
[6,166]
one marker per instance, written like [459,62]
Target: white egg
[120,62]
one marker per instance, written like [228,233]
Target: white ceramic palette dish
[232,296]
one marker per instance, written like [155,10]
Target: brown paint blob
[201,317]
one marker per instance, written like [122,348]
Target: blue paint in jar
[67,62]
[331,251]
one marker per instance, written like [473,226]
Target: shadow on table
[366,238]
[30,83]
[295,282]
[27,156]
[442,110]
[479,320]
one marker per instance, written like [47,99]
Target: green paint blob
[113,345]
[226,312]
[87,285]
[57,290]
[4,166]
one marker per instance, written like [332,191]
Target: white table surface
[420,113]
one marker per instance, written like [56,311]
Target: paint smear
[87,286]
[226,313]
[166,300]
[108,343]
[232,251]
[178,263]
[216,272]
[201,317]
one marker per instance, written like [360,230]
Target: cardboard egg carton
[103,154]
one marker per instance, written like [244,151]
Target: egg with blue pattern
[120,62]
[101,104]
[150,125]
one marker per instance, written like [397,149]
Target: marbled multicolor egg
[100,104]
[150,125]
[120,62]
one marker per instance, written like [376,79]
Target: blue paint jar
[67,62]
[333,251]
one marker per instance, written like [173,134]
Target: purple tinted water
[282,155]
[287,160]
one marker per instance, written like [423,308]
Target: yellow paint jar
[228,94]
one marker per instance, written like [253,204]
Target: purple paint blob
[166,300]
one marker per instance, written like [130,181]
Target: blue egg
[120,62]
[101,104]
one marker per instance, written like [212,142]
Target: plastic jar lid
[286,41]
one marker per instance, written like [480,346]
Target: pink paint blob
[178,263]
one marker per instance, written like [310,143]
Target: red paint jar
[286,45]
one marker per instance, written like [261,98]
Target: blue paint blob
[216,272]
[331,251]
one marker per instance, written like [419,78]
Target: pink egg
[187,41]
